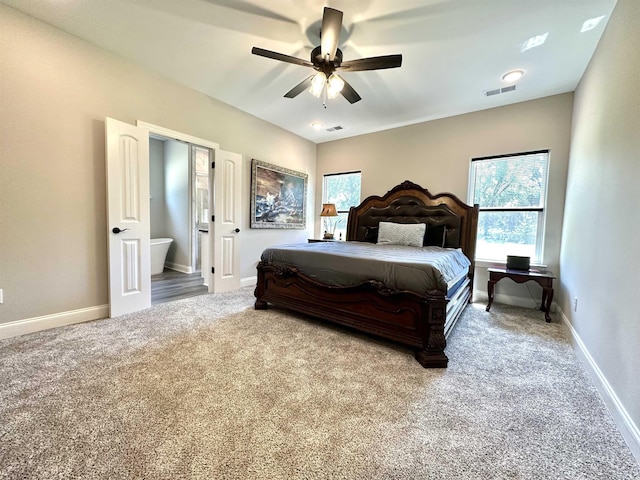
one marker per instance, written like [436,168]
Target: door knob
[237,230]
[117,230]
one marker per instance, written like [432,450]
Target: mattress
[418,269]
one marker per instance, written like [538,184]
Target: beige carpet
[209,388]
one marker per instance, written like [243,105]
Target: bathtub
[159,249]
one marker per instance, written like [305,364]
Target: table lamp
[329,210]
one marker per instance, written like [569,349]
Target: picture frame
[278,197]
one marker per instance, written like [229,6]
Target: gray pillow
[411,234]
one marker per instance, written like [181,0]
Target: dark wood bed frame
[415,319]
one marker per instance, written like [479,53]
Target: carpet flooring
[206,387]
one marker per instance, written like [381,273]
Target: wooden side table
[541,277]
[315,240]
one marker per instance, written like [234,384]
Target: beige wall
[437,156]
[600,261]
[55,92]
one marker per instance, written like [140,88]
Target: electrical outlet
[1,296]
[575,304]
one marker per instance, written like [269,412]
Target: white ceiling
[453,50]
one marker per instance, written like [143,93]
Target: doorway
[179,210]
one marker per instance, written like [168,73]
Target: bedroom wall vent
[333,129]
[498,91]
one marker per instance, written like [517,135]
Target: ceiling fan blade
[371,63]
[330,32]
[280,56]
[349,93]
[301,87]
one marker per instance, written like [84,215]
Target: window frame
[325,177]
[542,211]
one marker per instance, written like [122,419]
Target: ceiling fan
[326,59]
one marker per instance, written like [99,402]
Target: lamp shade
[328,210]
[334,86]
[317,84]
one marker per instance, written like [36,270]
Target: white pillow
[411,234]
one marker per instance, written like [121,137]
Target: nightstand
[541,277]
[315,240]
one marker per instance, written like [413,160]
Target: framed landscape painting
[278,197]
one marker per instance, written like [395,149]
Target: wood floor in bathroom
[171,285]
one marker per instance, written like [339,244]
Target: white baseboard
[179,268]
[36,324]
[627,427]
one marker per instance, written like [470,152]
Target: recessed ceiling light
[534,42]
[591,24]
[317,125]
[513,76]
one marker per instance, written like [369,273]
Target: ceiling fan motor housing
[325,65]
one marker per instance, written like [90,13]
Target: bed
[391,304]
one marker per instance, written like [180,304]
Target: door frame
[175,135]
[157,130]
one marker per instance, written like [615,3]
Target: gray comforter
[351,263]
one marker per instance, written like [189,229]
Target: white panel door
[128,218]
[227,210]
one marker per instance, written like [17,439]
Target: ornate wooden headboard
[410,203]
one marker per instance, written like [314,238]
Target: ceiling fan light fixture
[334,86]
[317,84]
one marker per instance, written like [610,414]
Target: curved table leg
[490,288]
[547,297]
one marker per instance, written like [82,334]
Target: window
[511,191]
[342,189]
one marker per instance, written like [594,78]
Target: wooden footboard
[402,316]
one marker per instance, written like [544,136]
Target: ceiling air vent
[333,129]
[498,91]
